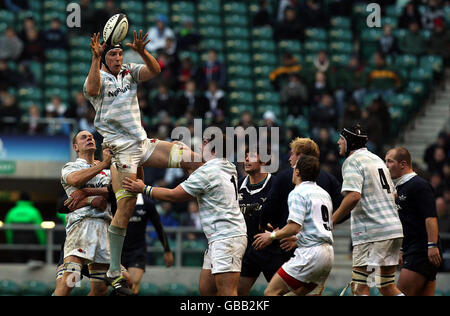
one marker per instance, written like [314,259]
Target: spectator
[356,79]
[319,87]
[9,111]
[86,123]
[168,71]
[323,115]
[280,74]
[158,34]
[262,17]
[410,13]
[440,41]
[25,76]
[162,101]
[191,219]
[33,49]
[188,38]
[443,140]
[12,46]
[381,78]
[312,14]
[443,212]
[216,99]
[436,165]
[387,43]
[321,62]
[213,69]
[437,183]
[246,120]
[56,110]
[92,20]
[294,95]
[413,42]
[282,6]
[191,101]
[8,77]
[79,107]
[352,114]
[376,118]
[328,152]
[24,213]
[290,28]
[55,37]
[33,126]
[187,72]
[432,11]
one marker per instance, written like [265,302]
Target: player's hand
[168,258]
[434,256]
[288,243]
[75,199]
[139,42]
[262,241]
[99,202]
[400,259]
[97,48]
[134,186]
[107,156]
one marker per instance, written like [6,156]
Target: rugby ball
[116,29]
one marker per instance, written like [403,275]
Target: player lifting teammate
[111,87]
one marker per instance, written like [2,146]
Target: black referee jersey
[275,210]
[416,202]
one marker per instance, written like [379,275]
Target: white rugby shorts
[309,265]
[225,255]
[377,254]
[88,239]
[129,154]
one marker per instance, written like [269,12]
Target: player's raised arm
[93,82]
[151,68]
[162,194]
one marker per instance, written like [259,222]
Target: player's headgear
[355,137]
[107,49]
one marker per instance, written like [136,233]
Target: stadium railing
[178,250]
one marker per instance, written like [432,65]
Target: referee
[253,191]
[421,256]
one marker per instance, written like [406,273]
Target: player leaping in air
[111,87]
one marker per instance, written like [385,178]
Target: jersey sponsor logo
[116,92]
[140,212]
[135,219]
[402,197]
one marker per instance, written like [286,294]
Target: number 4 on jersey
[383,180]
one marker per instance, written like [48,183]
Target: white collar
[403,179]
[244,184]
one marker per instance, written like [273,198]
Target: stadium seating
[148,289]
[34,288]
[9,288]
[174,289]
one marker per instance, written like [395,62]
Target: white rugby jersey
[311,207]
[117,109]
[215,186]
[102,179]
[375,217]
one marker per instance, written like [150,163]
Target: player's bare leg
[135,278]
[245,285]
[173,155]
[98,287]
[391,289]
[415,284]
[207,283]
[227,283]
[71,276]
[126,203]
[276,287]
[360,289]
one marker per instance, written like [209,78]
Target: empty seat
[35,288]
[9,288]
